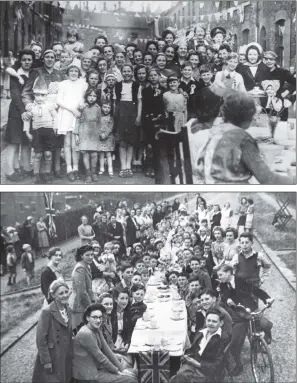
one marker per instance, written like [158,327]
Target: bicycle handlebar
[254,313]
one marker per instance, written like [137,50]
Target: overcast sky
[135,6]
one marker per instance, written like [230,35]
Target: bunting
[217,3]
[201,5]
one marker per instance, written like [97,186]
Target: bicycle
[261,359]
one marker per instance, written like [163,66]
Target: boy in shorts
[43,135]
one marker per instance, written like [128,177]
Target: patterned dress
[88,128]
[176,103]
[106,129]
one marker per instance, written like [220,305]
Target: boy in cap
[28,263]
[43,136]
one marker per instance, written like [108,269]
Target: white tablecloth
[174,331]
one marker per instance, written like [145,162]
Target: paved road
[17,365]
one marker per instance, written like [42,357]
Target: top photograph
[144,93]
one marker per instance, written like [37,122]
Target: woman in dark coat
[54,338]
[254,71]
[14,134]
[216,218]
[121,319]
[51,272]
[29,233]
[131,229]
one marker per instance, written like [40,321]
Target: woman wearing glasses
[93,359]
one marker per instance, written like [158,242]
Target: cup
[154,324]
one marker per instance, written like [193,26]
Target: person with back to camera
[231,155]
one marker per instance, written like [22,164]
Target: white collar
[21,71]
[205,330]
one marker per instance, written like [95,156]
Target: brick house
[270,23]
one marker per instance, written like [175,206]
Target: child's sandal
[101,172]
[122,174]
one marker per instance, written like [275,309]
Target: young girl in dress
[70,96]
[227,214]
[249,215]
[107,141]
[87,133]
[127,117]
[176,103]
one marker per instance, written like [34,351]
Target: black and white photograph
[155,92]
[148,287]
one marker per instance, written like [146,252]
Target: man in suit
[204,359]
[116,231]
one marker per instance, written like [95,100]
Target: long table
[169,330]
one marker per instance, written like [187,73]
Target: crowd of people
[16,241]
[108,102]
[85,332]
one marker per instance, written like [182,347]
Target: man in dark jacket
[116,231]
[205,357]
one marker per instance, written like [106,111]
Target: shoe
[129,173]
[9,284]
[101,172]
[71,177]
[14,177]
[76,175]
[110,173]
[95,177]
[38,180]
[122,174]
[88,179]
[58,174]
[28,173]
[48,177]
[237,370]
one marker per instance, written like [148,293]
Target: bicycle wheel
[261,360]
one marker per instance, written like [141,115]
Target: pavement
[17,364]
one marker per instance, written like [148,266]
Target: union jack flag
[154,367]
[50,213]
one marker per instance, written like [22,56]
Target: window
[279,41]
[263,38]
[245,36]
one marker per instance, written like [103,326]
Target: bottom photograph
[148,287]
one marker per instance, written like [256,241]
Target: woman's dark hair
[238,108]
[89,91]
[52,251]
[167,32]
[101,37]
[81,251]
[170,46]
[171,273]
[91,308]
[256,49]
[212,49]
[233,230]
[26,52]
[250,201]
[136,287]
[140,66]
[57,43]
[151,42]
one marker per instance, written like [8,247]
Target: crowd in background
[124,96]
[209,263]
